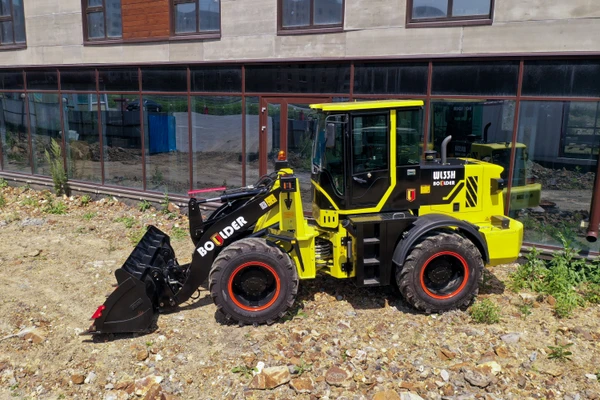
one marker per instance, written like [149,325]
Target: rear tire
[252,282]
[442,272]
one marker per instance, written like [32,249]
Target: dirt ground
[338,341]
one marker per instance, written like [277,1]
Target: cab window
[370,142]
[329,157]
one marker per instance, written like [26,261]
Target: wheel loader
[379,217]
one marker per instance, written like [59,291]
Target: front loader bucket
[146,282]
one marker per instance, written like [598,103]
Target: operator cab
[356,164]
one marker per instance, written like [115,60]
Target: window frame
[311,27]
[11,18]
[463,20]
[85,10]
[192,35]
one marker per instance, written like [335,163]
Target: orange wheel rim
[444,275]
[254,286]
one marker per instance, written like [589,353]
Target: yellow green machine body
[381,215]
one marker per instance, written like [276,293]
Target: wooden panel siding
[144,19]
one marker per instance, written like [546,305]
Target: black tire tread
[248,246]
[435,239]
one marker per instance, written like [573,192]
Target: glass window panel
[94,3]
[327,12]
[4,8]
[42,80]
[210,18]
[83,140]
[122,138]
[567,78]
[252,139]
[560,168]
[95,22]
[19,21]
[481,129]
[11,79]
[409,136]
[164,80]
[295,13]
[13,132]
[6,33]
[369,143]
[470,7]
[298,78]
[217,158]
[423,9]
[44,114]
[476,78]
[216,79]
[113,19]
[390,78]
[80,79]
[121,79]
[185,18]
[166,144]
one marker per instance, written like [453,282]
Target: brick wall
[145,19]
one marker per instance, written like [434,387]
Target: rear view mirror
[330,135]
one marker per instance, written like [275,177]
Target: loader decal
[219,238]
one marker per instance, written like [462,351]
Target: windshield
[502,158]
[330,159]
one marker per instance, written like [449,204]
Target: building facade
[154,96]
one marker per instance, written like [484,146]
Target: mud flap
[127,309]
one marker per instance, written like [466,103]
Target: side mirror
[330,136]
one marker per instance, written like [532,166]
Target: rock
[493,366]
[592,377]
[154,392]
[445,375]
[34,253]
[337,376]
[141,354]
[547,368]
[501,351]
[118,395]
[448,390]
[445,354]
[35,336]
[142,386]
[172,207]
[32,222]
[410,396]
[77,379]
[386,395]
[477,378]
[302,385]
[551,300]
[270,378]
[528,297]
[91,377]
[511,338]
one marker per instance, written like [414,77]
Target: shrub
[485,312]
[57,170]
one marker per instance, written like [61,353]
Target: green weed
[179,233]
[127,221]
[85,200]
[560,352]
[525,309]
[303,367]
[2,201]
[485,312]
[3,183]
[55,207]
[57,171]
[136,235]
[30,201]
[89,215]
[242,369]
[144,205]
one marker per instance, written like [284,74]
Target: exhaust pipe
[445,150]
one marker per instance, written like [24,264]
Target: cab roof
[367,105]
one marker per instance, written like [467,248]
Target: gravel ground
[338,342]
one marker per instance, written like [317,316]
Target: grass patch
[136,235]
[85,200]
[55,207]
[89,215]
[242,369]
[560,352]
[2,201]
[3,183]
[179,233]
[572,281]
[127,221]
[485,312]
[30,201]
[144,205]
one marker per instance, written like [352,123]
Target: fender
[430,222]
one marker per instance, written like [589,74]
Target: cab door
[369,158]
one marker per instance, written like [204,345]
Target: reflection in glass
[185,18]
[296,13]
[83,141]
[470,7]
[167,143]
[302,129]
[210,18]
[327,12]
[122,136]
[561,159]
[429,9]
[217,141]
[19,21]
[113,19]
[252,139]
[6,32]
[44,114]
[95,25]
[13,132]
[273,134]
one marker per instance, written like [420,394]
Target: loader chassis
[380,216]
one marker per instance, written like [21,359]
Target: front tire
[442,272]
[253,282]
